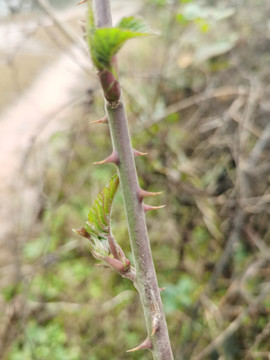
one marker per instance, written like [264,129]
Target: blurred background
[197,98]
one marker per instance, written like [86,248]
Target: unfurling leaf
[134,24]
[99,216]
[97,228]
[104,43]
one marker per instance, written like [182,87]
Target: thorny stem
[145,281]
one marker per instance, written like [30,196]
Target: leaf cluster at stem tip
[97,228]
[104,43]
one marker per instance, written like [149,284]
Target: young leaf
[134,24]
[99,216]
[104,43]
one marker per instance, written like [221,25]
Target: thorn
[81,2]
[113,158]
[162,289]
[150,207]
[138,153]
[103,120]
[146,344]
[143,193]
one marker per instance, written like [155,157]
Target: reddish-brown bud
[115,264]
[82,232]
[110,85]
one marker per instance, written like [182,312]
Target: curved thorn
[138,153]
[113,158]
[150,207]
[146,344]
[80,2]
[162,289]
[103,120]
[143,193]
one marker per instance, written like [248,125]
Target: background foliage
[198,104]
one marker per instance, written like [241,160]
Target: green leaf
[134,24]
[104,43]
[99,216]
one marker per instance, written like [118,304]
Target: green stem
[146,280]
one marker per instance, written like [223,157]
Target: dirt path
[33,115]
[38,113]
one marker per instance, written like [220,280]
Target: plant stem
[146,280]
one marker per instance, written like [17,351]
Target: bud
[82,232]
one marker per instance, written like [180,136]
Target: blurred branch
[243,188]
[66,30]
[259,147]
[222,92]
[233,327]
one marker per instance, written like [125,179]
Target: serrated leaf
[134,24]
[104,43]
[99,216]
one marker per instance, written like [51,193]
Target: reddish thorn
[146,344]
[115,264]
[143,193]
[150,207]
[81,2]
[138,153]
[113,158]
[103,120]
[162,289]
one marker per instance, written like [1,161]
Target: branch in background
[233,327]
